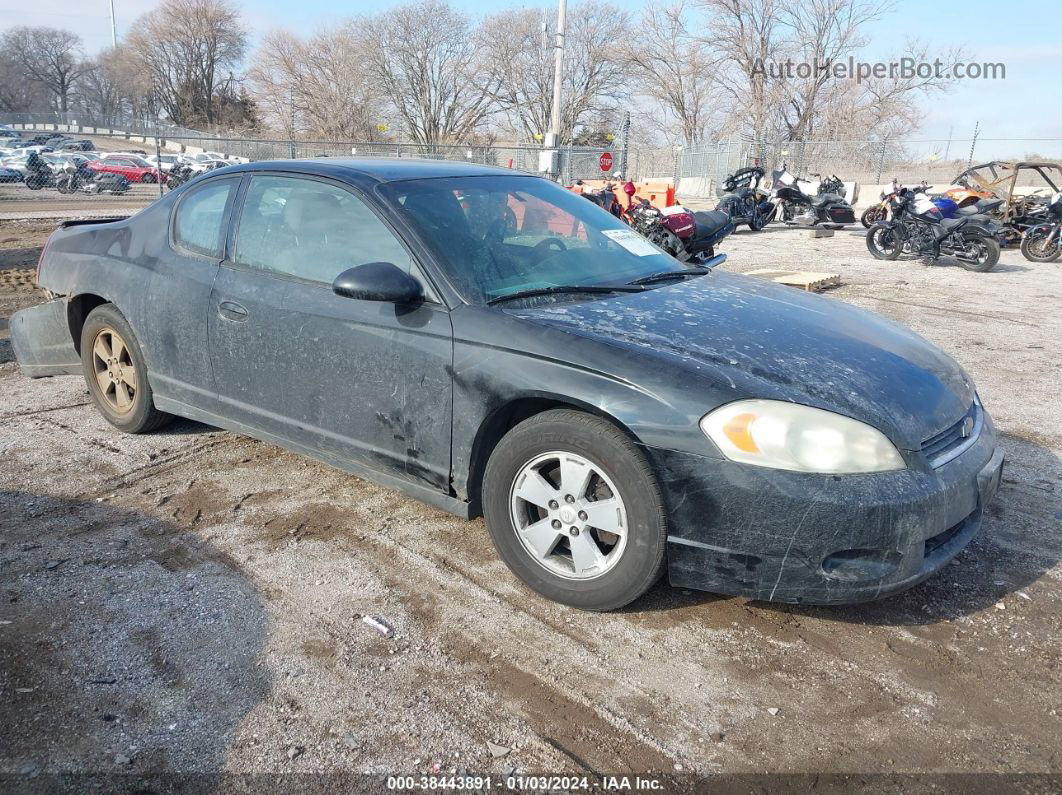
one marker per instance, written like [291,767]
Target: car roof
[378,169]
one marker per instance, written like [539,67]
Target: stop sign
[605,161]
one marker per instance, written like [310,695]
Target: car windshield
[500,235]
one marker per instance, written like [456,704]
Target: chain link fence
[698,170]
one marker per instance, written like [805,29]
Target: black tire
[147,179]
[1033,250]
[990,253]
[757,221]
[608,449]
[34,184]
[884,243]
[142,416]
[871,216]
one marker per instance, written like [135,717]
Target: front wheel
[1041,246]
[116,374]
[757,221]
[872,215]
[147,179]
[884,242]
[984,250]
[575,511]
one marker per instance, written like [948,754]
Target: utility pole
[553,136]
[114,32]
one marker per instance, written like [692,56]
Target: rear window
[200,222]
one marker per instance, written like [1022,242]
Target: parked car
[133,168]
[490,342]
[82,145]
[204,161]
[7,132]
[22,151]
[163,162]
[8,175]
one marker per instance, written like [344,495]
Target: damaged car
[494,345]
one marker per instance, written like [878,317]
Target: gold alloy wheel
[116,375]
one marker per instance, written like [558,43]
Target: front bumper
[821,539]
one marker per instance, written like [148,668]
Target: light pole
[553,136]
[114,34]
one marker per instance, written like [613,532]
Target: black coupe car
[492,343]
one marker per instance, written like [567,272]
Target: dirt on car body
[191,601]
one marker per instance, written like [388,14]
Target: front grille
[944,446]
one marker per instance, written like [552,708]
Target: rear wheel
[116,374]
[1040,247]
[574,510]
[148,179]
[983,253]
[758,220]
[885,242]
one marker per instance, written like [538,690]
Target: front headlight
[780,435]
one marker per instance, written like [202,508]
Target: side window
[199,225]
[311,229]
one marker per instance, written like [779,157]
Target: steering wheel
[545,244]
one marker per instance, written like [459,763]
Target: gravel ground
[192,600]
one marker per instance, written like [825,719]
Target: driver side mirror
[378,281]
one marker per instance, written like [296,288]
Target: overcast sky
[1024,105]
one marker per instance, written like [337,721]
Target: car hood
[758,339]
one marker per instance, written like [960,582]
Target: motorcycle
[800,208]
[1041,242]
[38,173]
[917,226]
[685,235]
[180,173]
[80,178]
[880,211]
[744,201]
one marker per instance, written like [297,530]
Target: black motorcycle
[799,208]
[743,200]
[38,173]
[179,174]
[1043,242]
[82,178]
[917,227]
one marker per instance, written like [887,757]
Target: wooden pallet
[805,280]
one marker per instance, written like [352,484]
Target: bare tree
[820,33]
[48,56]
[517,46]
[113,84]
[186,47]
[17,93]
[426,61]
[676,71]
[746,34]
[321,81]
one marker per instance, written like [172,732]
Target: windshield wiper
[656,277]
[567,288]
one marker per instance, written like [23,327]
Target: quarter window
[200,222]
[311,230]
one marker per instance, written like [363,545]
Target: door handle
[232,311]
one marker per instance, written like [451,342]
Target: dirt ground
[192,600]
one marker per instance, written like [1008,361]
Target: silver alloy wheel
[568,515]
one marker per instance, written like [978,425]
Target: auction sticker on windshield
[632,241]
